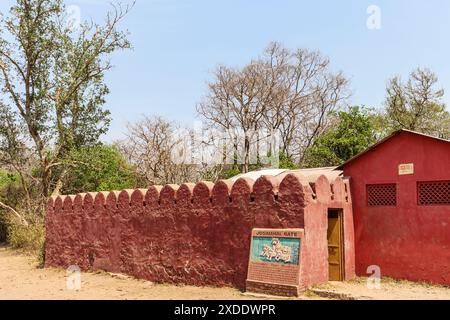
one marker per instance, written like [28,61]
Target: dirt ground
[20,279]
[389,290]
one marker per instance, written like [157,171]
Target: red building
[401,205]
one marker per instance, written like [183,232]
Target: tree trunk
[245,167]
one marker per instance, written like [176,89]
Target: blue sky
[177,43]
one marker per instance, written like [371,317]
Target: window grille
[433,193]
[382,195]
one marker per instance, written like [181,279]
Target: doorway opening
[335,236]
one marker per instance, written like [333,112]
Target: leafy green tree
[7,178]
[353,133]
[233,171]
[286,162]
[52,76]
[99,168]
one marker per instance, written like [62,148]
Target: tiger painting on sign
[278,252]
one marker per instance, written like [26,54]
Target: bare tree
[284,91]
[238,101]
[308,92]
[157,149]
[417,104]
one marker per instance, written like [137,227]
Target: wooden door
[335,236]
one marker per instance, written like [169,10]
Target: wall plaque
[406,169]
[274,264]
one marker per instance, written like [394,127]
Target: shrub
[234,171]
[3,229]
[27,238]
[98,168]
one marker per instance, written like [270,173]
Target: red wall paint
[407,241]
[327,196]
[195,234]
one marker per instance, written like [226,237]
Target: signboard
[274,262]
[406,169]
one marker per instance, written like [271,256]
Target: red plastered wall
[196,234]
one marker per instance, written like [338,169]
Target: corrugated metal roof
[254,175]
[311,174]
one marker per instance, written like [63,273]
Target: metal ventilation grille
[382,195]
[434,193]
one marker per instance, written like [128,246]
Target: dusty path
[389,290]
[20,279]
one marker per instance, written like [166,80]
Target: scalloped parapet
[223,192]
